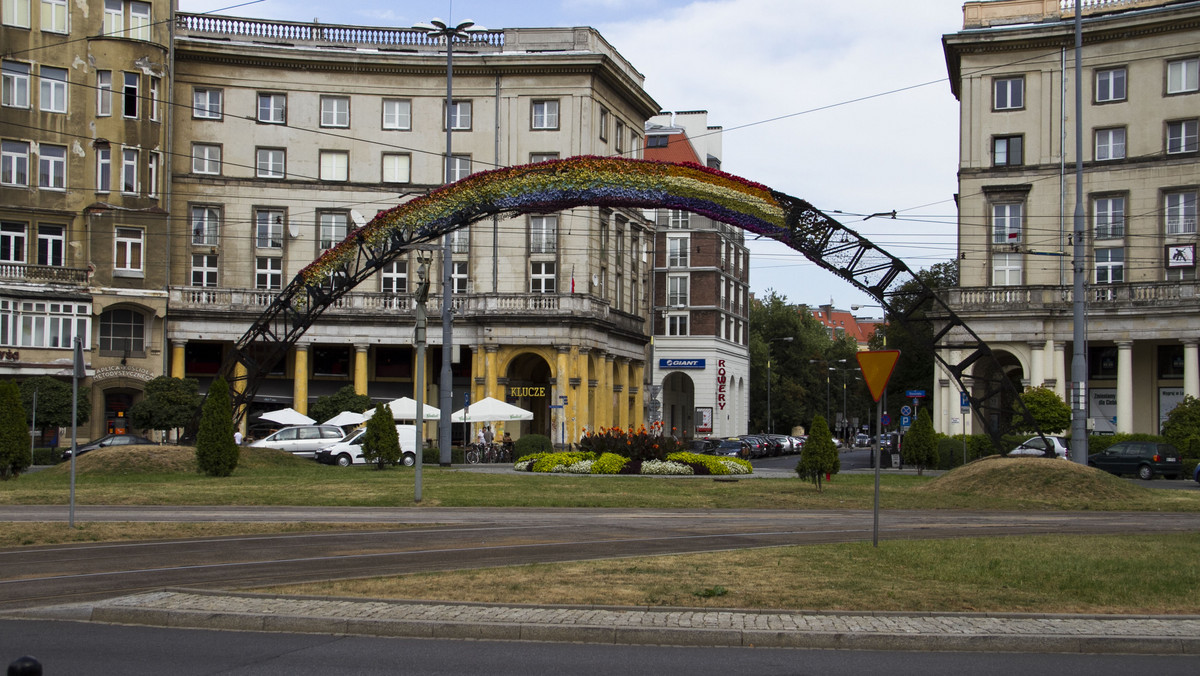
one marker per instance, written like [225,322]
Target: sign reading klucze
[680,363]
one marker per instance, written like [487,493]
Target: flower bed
[586,462]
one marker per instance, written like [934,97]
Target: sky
[843,104]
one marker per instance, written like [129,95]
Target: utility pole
[1079,371]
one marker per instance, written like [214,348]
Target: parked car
[758,446]
[862,439]
[1035,447]
[349,451]
[302,440]
[779,444]
[798,444]
[1146,459]
[110,440]
[702,446]
[734,447]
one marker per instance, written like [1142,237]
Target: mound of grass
[1034,480]
[167,459]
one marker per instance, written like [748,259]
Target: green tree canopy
[216,453]
[344,399]
[53,402]
[14,435]
[1182,427]
[797,389]
[381,443]
[920,443]
[1050,413]
[169,403]
[819,456]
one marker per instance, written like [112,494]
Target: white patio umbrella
[490,410]
[346,418]
[405,408]
[287,416]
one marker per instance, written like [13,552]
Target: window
[545,114]
[14,163]
[460,240]
[657,141]
[272,108]
[54,89]
[397,167]
[1109,217]
[333,229]
[335,165]
[16,13]
[1008,93]
[268,228]
[677,290]
[1180,211]
[129,95]
[678,219]
[206,158]
[1110,144]
[1110,85]
[12,242]
[153,162]
[103,93]
[460,168]
[122,332]
[270,162]
[139,20]
[619,136]
[397,114]
[535,158]
[542,277]
[155,97]
[129,167]
[206,103]
[268,273]
[394,277]
[458,277]
[1006,269]
[460,116]
[54,16]
[335,111]
[1007,151]
[677,325]
[204,269]
[206,225]
[1181,136]
[52,245]
[677,252]
[1110,266]
[1006,223]
[1181,76]
[15,78]
[603,124]
[543,234]
[43,324]
[127,255]
[52,167]
[114,17]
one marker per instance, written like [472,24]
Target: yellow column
[178,358]
[562,389]
[491,387]
[478,373]
[239,386]
[300,379]
[639,401]
[621,389]
[360,369]
[604,393]
[583,417]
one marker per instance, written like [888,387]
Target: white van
[349,451]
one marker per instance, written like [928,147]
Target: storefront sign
[111,372]
[681,363]
[526,392]
[721,382]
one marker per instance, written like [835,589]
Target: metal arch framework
[613,182]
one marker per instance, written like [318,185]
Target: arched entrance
[528,384]
[679,404]
[1007,367]
[549,187]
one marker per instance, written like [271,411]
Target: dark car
[1146,459]
[733,447]
[758,446]
[702,446]
[111,440]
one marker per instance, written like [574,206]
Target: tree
[216,453]
[381,443]
[53,402]
[797,388]
[1050,413]
[14,435]
[169,403]
[1182,427]
[344,399]
[920,443]
[820,456]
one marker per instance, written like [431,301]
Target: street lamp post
[827,370]
[842,423]
[437,28]
[771,420]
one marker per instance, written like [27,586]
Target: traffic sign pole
[877,367]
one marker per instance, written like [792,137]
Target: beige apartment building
[83,210]
[1012,70]
[289,135]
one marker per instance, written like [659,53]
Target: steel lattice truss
[818,237]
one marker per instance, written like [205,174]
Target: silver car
[302,440]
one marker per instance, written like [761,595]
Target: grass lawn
[1139,574]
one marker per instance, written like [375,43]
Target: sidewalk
[977,632]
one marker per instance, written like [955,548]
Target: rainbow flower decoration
[553,186]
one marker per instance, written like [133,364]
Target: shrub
[1098,443]
[665,467]
[640,445]
[14,436]
[1049,412]
[532,443]
[609,463]
[819,456]
[547,462]
[1182,422]
[216,453]
[920,444]
[381,443]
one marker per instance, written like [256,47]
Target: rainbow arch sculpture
[553,186]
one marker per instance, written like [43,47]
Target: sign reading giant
[681,363]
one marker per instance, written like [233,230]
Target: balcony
[319,34]
[1039,300]
[985,13]
[44,274]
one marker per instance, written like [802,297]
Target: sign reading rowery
[681,363]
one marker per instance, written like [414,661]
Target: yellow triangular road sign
[877,369]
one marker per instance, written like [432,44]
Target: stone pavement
[642,626]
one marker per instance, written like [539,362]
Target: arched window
[122,333]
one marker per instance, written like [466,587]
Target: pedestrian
[479,438]
[237,437]
[487,434]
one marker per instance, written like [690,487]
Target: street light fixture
[771,420]
[437,28]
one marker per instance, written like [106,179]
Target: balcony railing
[1024,300]
[44,274]
[286,31]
